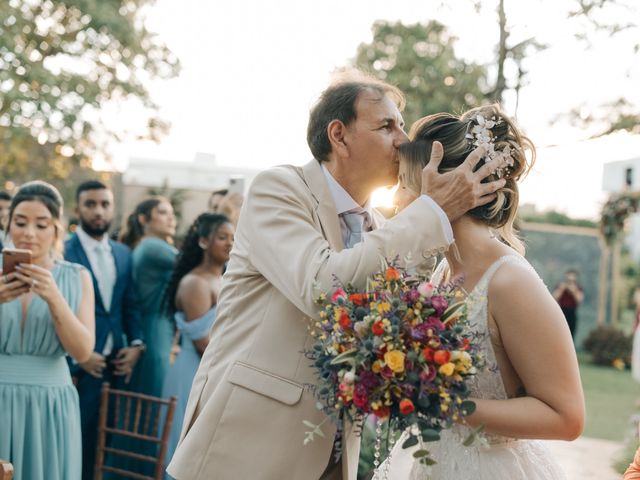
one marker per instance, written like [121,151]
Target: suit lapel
[119,261]
[326,209]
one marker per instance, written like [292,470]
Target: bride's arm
[539,346]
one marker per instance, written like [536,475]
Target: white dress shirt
[89,245]
[344,202]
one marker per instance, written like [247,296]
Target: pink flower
[425,289]
[339,293]
[428,374]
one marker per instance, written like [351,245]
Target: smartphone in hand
[12,257]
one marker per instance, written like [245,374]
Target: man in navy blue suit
[119,341]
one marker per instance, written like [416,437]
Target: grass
[611,397]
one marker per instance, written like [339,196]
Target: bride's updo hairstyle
[459,137]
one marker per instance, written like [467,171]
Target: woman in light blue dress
[46,311]
[192,296]
[149,232]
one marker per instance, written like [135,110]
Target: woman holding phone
[46,312]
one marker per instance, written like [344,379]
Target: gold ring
[5,278]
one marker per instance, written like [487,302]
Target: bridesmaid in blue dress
[149,232]
[46,311]
[192,296]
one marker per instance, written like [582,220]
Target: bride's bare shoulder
[516,277]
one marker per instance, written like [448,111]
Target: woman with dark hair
[530,388]
[192,296]
[46,311]
[149,232]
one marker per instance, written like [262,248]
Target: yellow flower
[618,363]
[395,360]
[376,367]
[447,369]
[383,307]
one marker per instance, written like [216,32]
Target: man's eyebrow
[386,120]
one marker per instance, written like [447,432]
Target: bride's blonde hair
[455,134]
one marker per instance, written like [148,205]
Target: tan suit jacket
[244,419]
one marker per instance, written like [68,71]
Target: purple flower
[367,379]
[408,389]
[412,296]
[435,323]
[439,304]
[419,332]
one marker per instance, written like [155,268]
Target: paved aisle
[587,458]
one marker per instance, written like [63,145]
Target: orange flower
[441,357]
[406,406]
[357,298]
[377,328]
[427,353]
[392,274]
[345,321]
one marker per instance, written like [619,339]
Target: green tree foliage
[421,60]
[61,62]
[613,18]
[557,218]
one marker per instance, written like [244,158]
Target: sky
[251,70]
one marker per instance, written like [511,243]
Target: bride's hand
[461,189]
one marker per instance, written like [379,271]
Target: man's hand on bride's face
[460,190]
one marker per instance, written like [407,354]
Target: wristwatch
[138,344]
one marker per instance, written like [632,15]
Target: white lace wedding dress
[499,458]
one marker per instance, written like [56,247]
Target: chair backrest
[141,418]
[6,470]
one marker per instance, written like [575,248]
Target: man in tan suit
[244,419]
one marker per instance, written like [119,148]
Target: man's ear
[336,131]
[77,211]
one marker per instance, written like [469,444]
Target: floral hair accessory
[481,134]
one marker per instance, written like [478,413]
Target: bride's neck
[476,244]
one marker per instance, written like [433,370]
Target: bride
[530,388]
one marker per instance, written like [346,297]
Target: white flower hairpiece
[482,135]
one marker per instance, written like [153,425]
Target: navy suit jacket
[124,318]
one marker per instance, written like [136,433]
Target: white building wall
[625,176]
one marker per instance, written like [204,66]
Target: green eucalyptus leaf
[430,435]
[420,453]
[410,442]
[468,407]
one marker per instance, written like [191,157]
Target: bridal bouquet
[400,350]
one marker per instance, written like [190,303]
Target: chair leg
[102,434]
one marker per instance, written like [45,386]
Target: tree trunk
[501,83]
